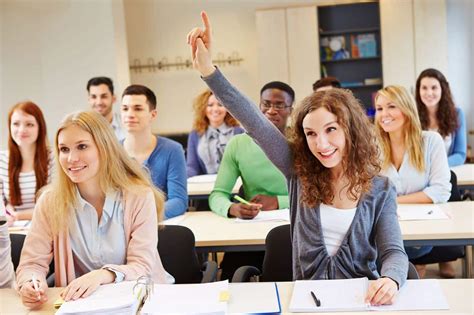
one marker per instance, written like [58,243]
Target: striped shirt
[27,182]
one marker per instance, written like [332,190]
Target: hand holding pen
[33,293]
[244,209]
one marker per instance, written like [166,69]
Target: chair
[444,253]
[17,241]
[277,264]
[179,258]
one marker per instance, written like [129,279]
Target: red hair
[15,160]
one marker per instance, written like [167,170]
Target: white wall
[460,16]
[50,48]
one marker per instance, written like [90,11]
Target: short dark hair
[279,86]
[101,80]
[136,89]
[327,81]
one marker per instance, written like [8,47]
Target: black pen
[316,300]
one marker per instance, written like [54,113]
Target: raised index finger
[207,24]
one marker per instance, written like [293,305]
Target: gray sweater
[374,233]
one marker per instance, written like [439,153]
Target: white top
[27,183]
[448,140]
[335,223]
[7,275]
[434,181]
[116,124]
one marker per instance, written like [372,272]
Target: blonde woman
[413,159]
[213,127]
[98,219]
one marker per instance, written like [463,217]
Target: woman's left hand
[87,284]
[381,291]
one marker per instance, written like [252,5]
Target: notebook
[199,298]
[282,215]
[349,295]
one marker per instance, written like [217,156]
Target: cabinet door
[398,46]
[303,49]
[431,35]
[272,46]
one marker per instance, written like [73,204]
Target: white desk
[459,293]
[200,187]
[465,175]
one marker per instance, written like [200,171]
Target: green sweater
[244,158]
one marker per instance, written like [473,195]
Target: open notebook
[349,294]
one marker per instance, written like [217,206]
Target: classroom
[368,177]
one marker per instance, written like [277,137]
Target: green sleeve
[229,172]
[283,202]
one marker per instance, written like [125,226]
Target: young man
[101,99]
[326,83]
[263,184]
[164,158]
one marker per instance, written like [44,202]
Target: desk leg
[467,270]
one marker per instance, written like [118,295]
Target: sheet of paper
[268,216]
[21,223]
[418,295]
[108,299]
[420,212]
[201,298]
[335,295]
[174,221]
[267,301]
[209,178]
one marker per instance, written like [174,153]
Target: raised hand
[200,41]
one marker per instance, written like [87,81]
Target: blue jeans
[417,251]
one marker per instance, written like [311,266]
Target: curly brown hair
[361,162]
[446,114]
[201,122]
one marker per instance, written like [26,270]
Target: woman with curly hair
[413,159]
[438,113]
[212,129]
[343,215]
[26,166]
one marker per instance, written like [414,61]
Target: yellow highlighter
[242,200]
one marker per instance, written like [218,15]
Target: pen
[430,212]
[35,285]
[316,300]
[242,200]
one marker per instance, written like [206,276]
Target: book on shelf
[363,46]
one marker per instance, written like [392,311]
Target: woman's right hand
[32,298]
[243,211]
[200,41]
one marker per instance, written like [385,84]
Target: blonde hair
[201,122]
[117,170]
[412,131]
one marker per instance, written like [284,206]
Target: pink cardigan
[141,232]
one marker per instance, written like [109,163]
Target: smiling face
[101,100]
[215,112]
[325,137]
[78,156]
[388,115]
[430,92]
[136,114]
[24,128]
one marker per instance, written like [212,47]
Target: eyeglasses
[276,106]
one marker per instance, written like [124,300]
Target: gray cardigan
[374,233]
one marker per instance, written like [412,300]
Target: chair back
[455,194]
[178,254]
[17,241]
[277,263]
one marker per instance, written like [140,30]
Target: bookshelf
[350,47]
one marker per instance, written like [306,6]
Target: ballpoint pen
[35,285]
[430,212]
[316,300]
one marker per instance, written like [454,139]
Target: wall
[50,48]
[460,16]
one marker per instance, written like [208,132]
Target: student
[343,216]
[7,275]
[263,184]
[213,127]
[413,159]
[162,157]
[98,219]
[438,113]
[101,98]
[26,166]
[325,84]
